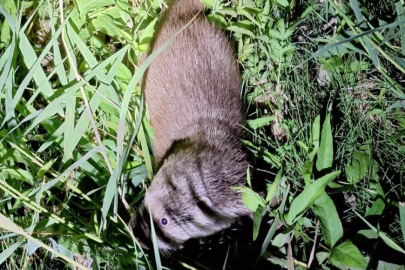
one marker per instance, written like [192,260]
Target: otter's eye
[164,221]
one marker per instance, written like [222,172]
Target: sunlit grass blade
[10,250]
[354,37]
[53,182]
[94,103]
[6,224]
[34,64]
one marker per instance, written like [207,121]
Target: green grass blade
[58,60]
[402,218]
[271,190]
[145,150]
[401,16]
[269,236]
[324,158]
[55,136]
[354,37]
[34,65]
[52,107]
[75,165]
[94,103]
[372,52]
[6,224]
[10,114]
[307,197]
[7,253]
[11,21]
[155,246]
[383,235]
[4,58]
[26,119]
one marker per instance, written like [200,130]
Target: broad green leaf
[227,11]
[260,122]
[283,3]
[307,197]
[251,199]
[306,171]
[347,256]
[45,168]
[123,73]
[257,220]
[272,189]
[218,20]
[326,212]
[247,12]
[208,3]
[280,240]
[322,256]
[369,234]
[376,209]
[19,174]
[356,169]
[84,6]
[242,27]
[325,153]
[315,136]
[147,35]
[106,24]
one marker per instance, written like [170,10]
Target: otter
[192,90]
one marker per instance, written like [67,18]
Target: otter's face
[164,227]
[179,204]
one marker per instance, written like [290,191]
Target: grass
[323,89]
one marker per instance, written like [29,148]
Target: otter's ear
[207,201]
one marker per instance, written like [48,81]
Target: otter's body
[192,92]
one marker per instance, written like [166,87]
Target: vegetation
[325,102]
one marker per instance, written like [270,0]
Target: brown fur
[192,92]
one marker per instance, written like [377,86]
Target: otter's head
[190,197]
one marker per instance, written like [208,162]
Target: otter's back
[194,80]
